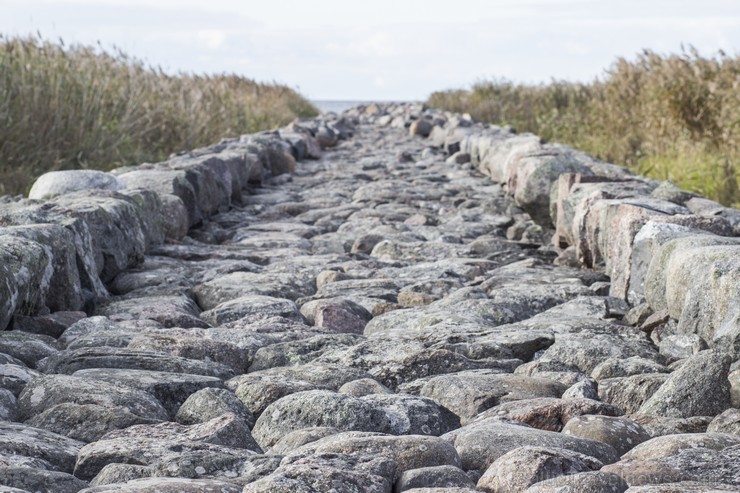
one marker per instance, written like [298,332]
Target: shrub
[84,107]
[672,117]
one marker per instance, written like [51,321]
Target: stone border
[673,250]
[81,228]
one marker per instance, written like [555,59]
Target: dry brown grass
[83,107]
[673,117]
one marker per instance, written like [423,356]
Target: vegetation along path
[392,315]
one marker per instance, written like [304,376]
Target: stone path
[383,319]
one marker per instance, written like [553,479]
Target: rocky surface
[393,299]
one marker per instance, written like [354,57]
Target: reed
[673,117]
[64,107]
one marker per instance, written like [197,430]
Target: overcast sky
[384,49]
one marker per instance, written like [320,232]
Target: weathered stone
[707,464]
[548,413]
[247,305]
[300,351]
[318,408]
[481,443]
[210,403]
[434,477]
[339,315]
[669,445]
[621,433]
[468,395]
[15,377]
[86,422]
[168,485]
[120,473]
[168,310]
[71,361]
[412,415]
[55,183]
[637,472]
[630,393]
[522,467]
[177,458]
[24,440]
[170,389]
[661,425]
[364,386]
[584,482]
[407,451]
[698,388]
[227,430]
[7,405]
[47,391]
[41,481]
[635,365]
[298,438]
[727,422]
[327,472]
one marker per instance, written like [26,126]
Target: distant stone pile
[423,303]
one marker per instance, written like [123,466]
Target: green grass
[64,107]
[673,117]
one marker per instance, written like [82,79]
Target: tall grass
[67,107]
[673,117]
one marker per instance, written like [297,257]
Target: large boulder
[55,183]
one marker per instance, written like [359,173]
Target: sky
[383,49]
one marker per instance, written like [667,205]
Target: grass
[672,117]
[64,107]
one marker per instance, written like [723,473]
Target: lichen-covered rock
[170,389]
[168,485]
[24,440]
[175,458]
[74,360]
[629,393]
[7,405]
[227,430]
[86,422]
[710,465]
[434,477]
[344,316]
[617,367]
[412,415]
[209,403]
[406,451]
[120,473]
[318,408]
[168,310]
[235,309]
[364,386]
[15,377]
[47,391]
[31,479]
[326,472]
